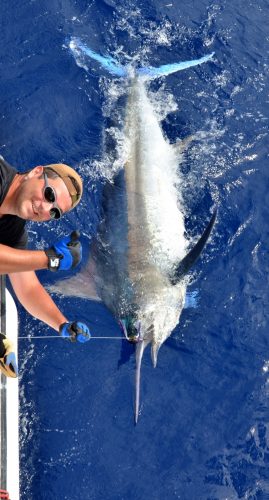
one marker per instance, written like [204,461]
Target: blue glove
[65,254]
[75,331]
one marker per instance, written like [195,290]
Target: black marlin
[139,259]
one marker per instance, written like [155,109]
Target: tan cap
[71,179]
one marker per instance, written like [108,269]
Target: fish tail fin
[79,50]
[168,69]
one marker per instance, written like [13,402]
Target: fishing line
[58,337]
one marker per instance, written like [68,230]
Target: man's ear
[35,172]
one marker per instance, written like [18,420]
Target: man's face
[30,201]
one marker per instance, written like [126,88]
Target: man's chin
[28,214]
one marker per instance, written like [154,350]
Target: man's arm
[14,260]
[35,299]
[63,255]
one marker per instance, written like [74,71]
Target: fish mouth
[131,330]
[134,339]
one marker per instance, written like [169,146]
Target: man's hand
[75,331]
[65,254]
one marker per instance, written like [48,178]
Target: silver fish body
[138,262]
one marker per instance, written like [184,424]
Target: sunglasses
[50,196]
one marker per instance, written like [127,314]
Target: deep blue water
[203,428]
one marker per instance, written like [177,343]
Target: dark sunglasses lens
[55,213]
[49,194]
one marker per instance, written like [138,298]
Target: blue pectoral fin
[110,64]
[168,69]
[191,299]
[189,260]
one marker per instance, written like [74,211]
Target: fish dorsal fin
[189,260]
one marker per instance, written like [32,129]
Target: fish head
[160,317]
[136,329]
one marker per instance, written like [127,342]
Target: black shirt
[12,228]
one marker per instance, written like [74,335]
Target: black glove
[65,254]
[75,331]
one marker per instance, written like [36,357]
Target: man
[43,193]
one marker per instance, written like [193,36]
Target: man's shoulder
[13,232]
[5,166]
[7,174]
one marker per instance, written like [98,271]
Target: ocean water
[203,427]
